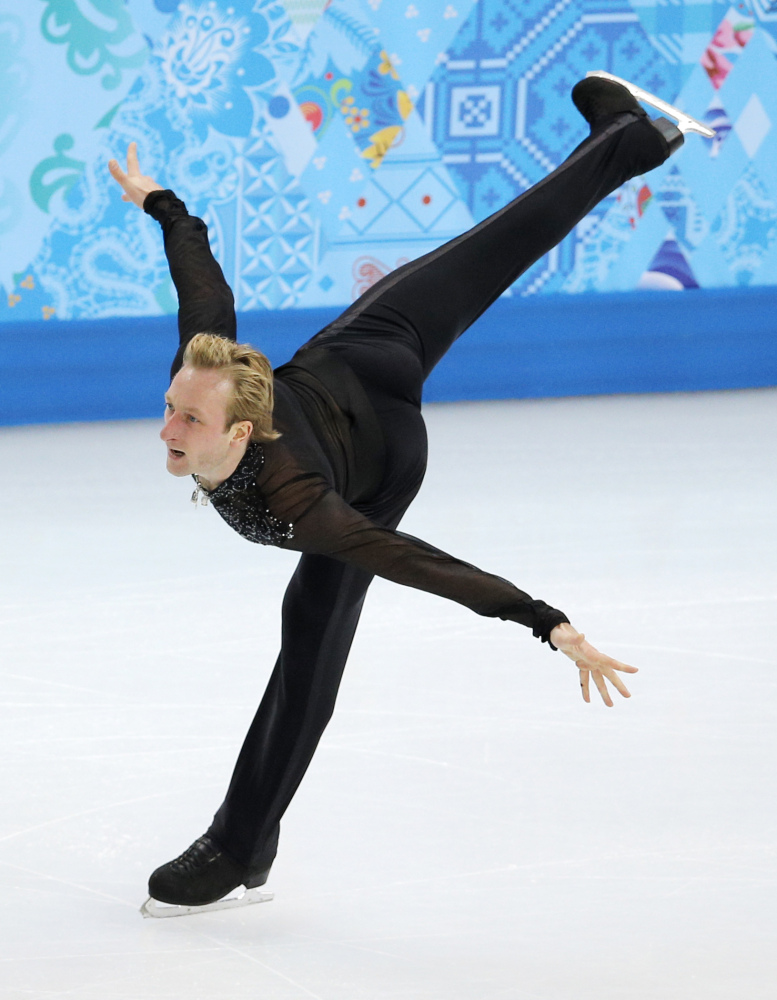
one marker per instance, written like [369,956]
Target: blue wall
[541,346]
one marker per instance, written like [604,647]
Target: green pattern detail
[166,297]
[94,43]
[65,169]
[108,117]
[305,12]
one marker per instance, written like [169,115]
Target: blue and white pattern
[209,59]
[475,111]
[328,141]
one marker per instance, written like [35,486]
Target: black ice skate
[200,881]
[682,122]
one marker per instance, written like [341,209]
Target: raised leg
[427,304]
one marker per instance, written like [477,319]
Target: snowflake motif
[412,11]
[208,57]
[450,11]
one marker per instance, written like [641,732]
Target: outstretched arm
[325,524]
[205,301]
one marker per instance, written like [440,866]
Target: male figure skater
[324,457]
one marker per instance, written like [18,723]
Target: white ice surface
[470,829]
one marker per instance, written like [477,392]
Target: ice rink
[470,829]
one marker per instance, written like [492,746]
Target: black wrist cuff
[161,205]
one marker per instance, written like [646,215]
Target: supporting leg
[321,610]
[320,613]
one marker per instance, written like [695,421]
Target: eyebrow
[188,409]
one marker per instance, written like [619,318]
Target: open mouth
[174,453]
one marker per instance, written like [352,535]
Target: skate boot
[601,96]
[683,122]
[200,880]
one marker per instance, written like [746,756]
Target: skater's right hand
[136,185]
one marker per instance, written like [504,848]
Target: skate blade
[153,908]
[684,121]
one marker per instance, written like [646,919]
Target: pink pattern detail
[729,38]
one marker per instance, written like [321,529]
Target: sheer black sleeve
[205,300]
[324,524]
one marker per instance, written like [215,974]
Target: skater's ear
[241,431]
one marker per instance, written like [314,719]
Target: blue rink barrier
[554,345]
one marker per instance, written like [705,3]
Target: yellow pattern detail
[381,143]
[387,66]
[405,105]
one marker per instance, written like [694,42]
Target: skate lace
[201,853]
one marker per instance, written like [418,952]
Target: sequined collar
[241,504]
[250,464]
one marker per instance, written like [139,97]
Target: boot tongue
[202,852]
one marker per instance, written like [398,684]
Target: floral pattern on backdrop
[325,142]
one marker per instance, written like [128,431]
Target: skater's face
[195,432]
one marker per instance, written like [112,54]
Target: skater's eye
[191,419]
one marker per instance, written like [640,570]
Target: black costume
[352,453]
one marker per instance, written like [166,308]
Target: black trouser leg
[321,609]
[427,304]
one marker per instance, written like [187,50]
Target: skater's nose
[171,427]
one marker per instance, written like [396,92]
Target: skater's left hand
[591,663]
[136,185]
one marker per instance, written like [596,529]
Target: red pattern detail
[368,271]
[313,113]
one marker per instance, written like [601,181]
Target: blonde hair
[249,372]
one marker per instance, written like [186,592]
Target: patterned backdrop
[327,141]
